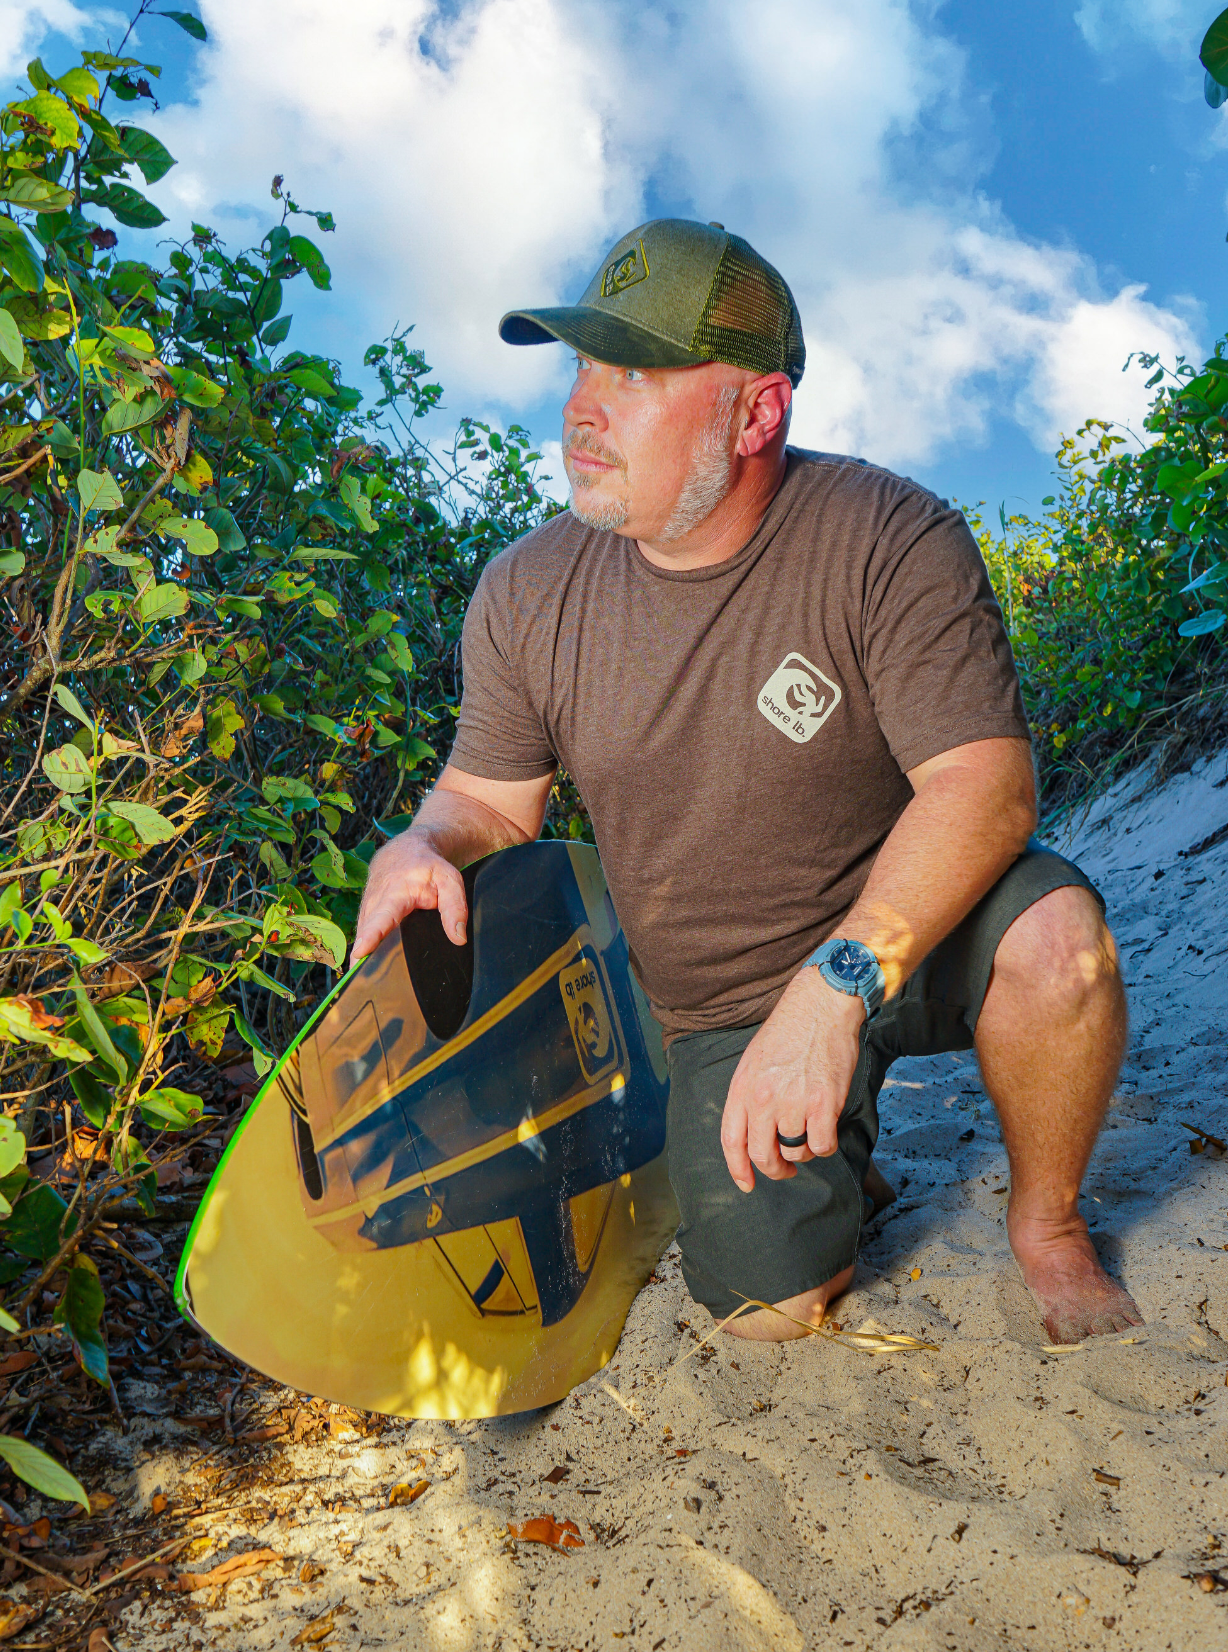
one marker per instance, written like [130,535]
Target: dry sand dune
[989,1493]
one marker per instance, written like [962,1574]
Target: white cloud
[483,155]
[1174,26]
[24,23]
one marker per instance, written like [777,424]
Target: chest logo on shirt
[798,699]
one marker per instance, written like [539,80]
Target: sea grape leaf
[187,22]
[261,1057]
[42,1472]
[12,1147]
[52,112]
[163,602]
[153,158]
[92,1094]
[198,536]
[223,720]
[73,706]
[11,347]
[128,1157]
[229,534]
[18,257]
[127,204]
[68,769]
[99,491]
[150,826]
[170,1109]
[33,1229]
[34,194]
[80,1310]
[134,339]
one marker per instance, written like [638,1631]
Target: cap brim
[597,334]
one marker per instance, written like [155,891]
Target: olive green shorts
[786,1237]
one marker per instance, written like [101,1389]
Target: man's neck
[723,533]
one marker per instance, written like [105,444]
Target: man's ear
[767,408]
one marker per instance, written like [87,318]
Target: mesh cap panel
[750,319]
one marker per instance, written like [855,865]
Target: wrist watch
[850,967]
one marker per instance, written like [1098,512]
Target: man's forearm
[462,829]
[966,825]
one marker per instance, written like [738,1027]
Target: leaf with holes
[150,826]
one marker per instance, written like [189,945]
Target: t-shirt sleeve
[499,734]
[937,657]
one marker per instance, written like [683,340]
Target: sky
[982,210]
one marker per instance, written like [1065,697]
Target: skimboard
[446,1195]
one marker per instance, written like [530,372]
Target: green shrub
[1115,595]
[232,601]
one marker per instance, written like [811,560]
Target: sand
[990,1493]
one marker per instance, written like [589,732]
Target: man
[782,686]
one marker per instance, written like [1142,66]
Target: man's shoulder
[543,549]
[843,477]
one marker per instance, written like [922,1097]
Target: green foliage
[1115,596]
[42,1472]
[232,599]
[1213,56]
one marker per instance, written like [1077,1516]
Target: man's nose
[584,407]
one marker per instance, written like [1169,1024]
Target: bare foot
[1077,1299]
[878,1190]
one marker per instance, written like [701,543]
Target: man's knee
[1059,953]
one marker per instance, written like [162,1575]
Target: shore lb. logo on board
[798,698]
[588,1016]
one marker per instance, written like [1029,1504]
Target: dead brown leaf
[100,1641]
[240,1565]
[180,737]
[39,1016]
[16,1616]
[542,1529]
[309,1571]
[315,1631]
[18,1362]
[1106,1479]
[556,1476]
[272,1431]
[119,978]
[405,1493]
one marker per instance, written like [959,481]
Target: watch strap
[870,984]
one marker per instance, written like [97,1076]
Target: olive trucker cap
[675,293]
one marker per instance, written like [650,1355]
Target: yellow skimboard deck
[447,1194]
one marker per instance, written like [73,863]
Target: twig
[34,766]
[28,465]
[137,1263]
[135,1566]
[57,1577]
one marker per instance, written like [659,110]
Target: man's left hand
[793,1080]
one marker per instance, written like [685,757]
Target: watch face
[848,965]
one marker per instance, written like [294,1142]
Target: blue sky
[982,209]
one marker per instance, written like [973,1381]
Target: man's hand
[793,1080]
[464,818]
[407,874]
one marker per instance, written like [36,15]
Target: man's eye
[633,375]
[582,362]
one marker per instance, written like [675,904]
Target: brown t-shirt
[740,733]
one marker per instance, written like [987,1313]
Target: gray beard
[707,483]
[607,518]
[710,476]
